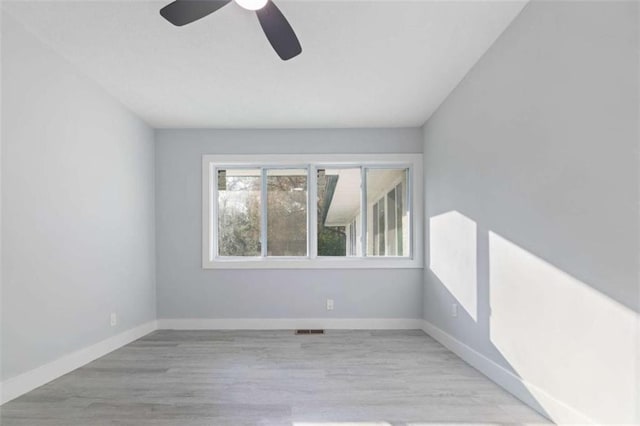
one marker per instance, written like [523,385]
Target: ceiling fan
[274,24]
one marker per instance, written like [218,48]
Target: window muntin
[357,230]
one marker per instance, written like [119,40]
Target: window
[285,211]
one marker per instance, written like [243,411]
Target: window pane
[339,212]
[287,212]
[381,228]
[353,246]
[387,216]
[373,219]
[239,212]
[391,222]
[401,217]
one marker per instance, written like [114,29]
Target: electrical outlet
[114,319]
[454,309]
[329,304]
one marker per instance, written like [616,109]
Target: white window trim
[312,261]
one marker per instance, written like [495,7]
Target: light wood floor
[194,378]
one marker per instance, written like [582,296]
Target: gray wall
[185,290]
[77,208]
[532,171]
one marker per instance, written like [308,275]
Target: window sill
[319,263]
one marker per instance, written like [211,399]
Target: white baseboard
[23,383]
[530,394]
[290,324]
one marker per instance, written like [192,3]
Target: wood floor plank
[194,378]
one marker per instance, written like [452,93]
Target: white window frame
[413,162]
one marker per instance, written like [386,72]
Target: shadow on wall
[554,331]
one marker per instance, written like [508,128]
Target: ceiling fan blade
[278,31]
[182,12]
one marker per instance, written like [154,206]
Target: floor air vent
[309,331]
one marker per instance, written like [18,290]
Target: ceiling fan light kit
[252,4]
[275,26]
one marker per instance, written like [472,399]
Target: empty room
[319,212]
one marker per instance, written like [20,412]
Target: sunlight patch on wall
[452,253]
[561,335]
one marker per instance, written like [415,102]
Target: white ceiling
[364,63]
